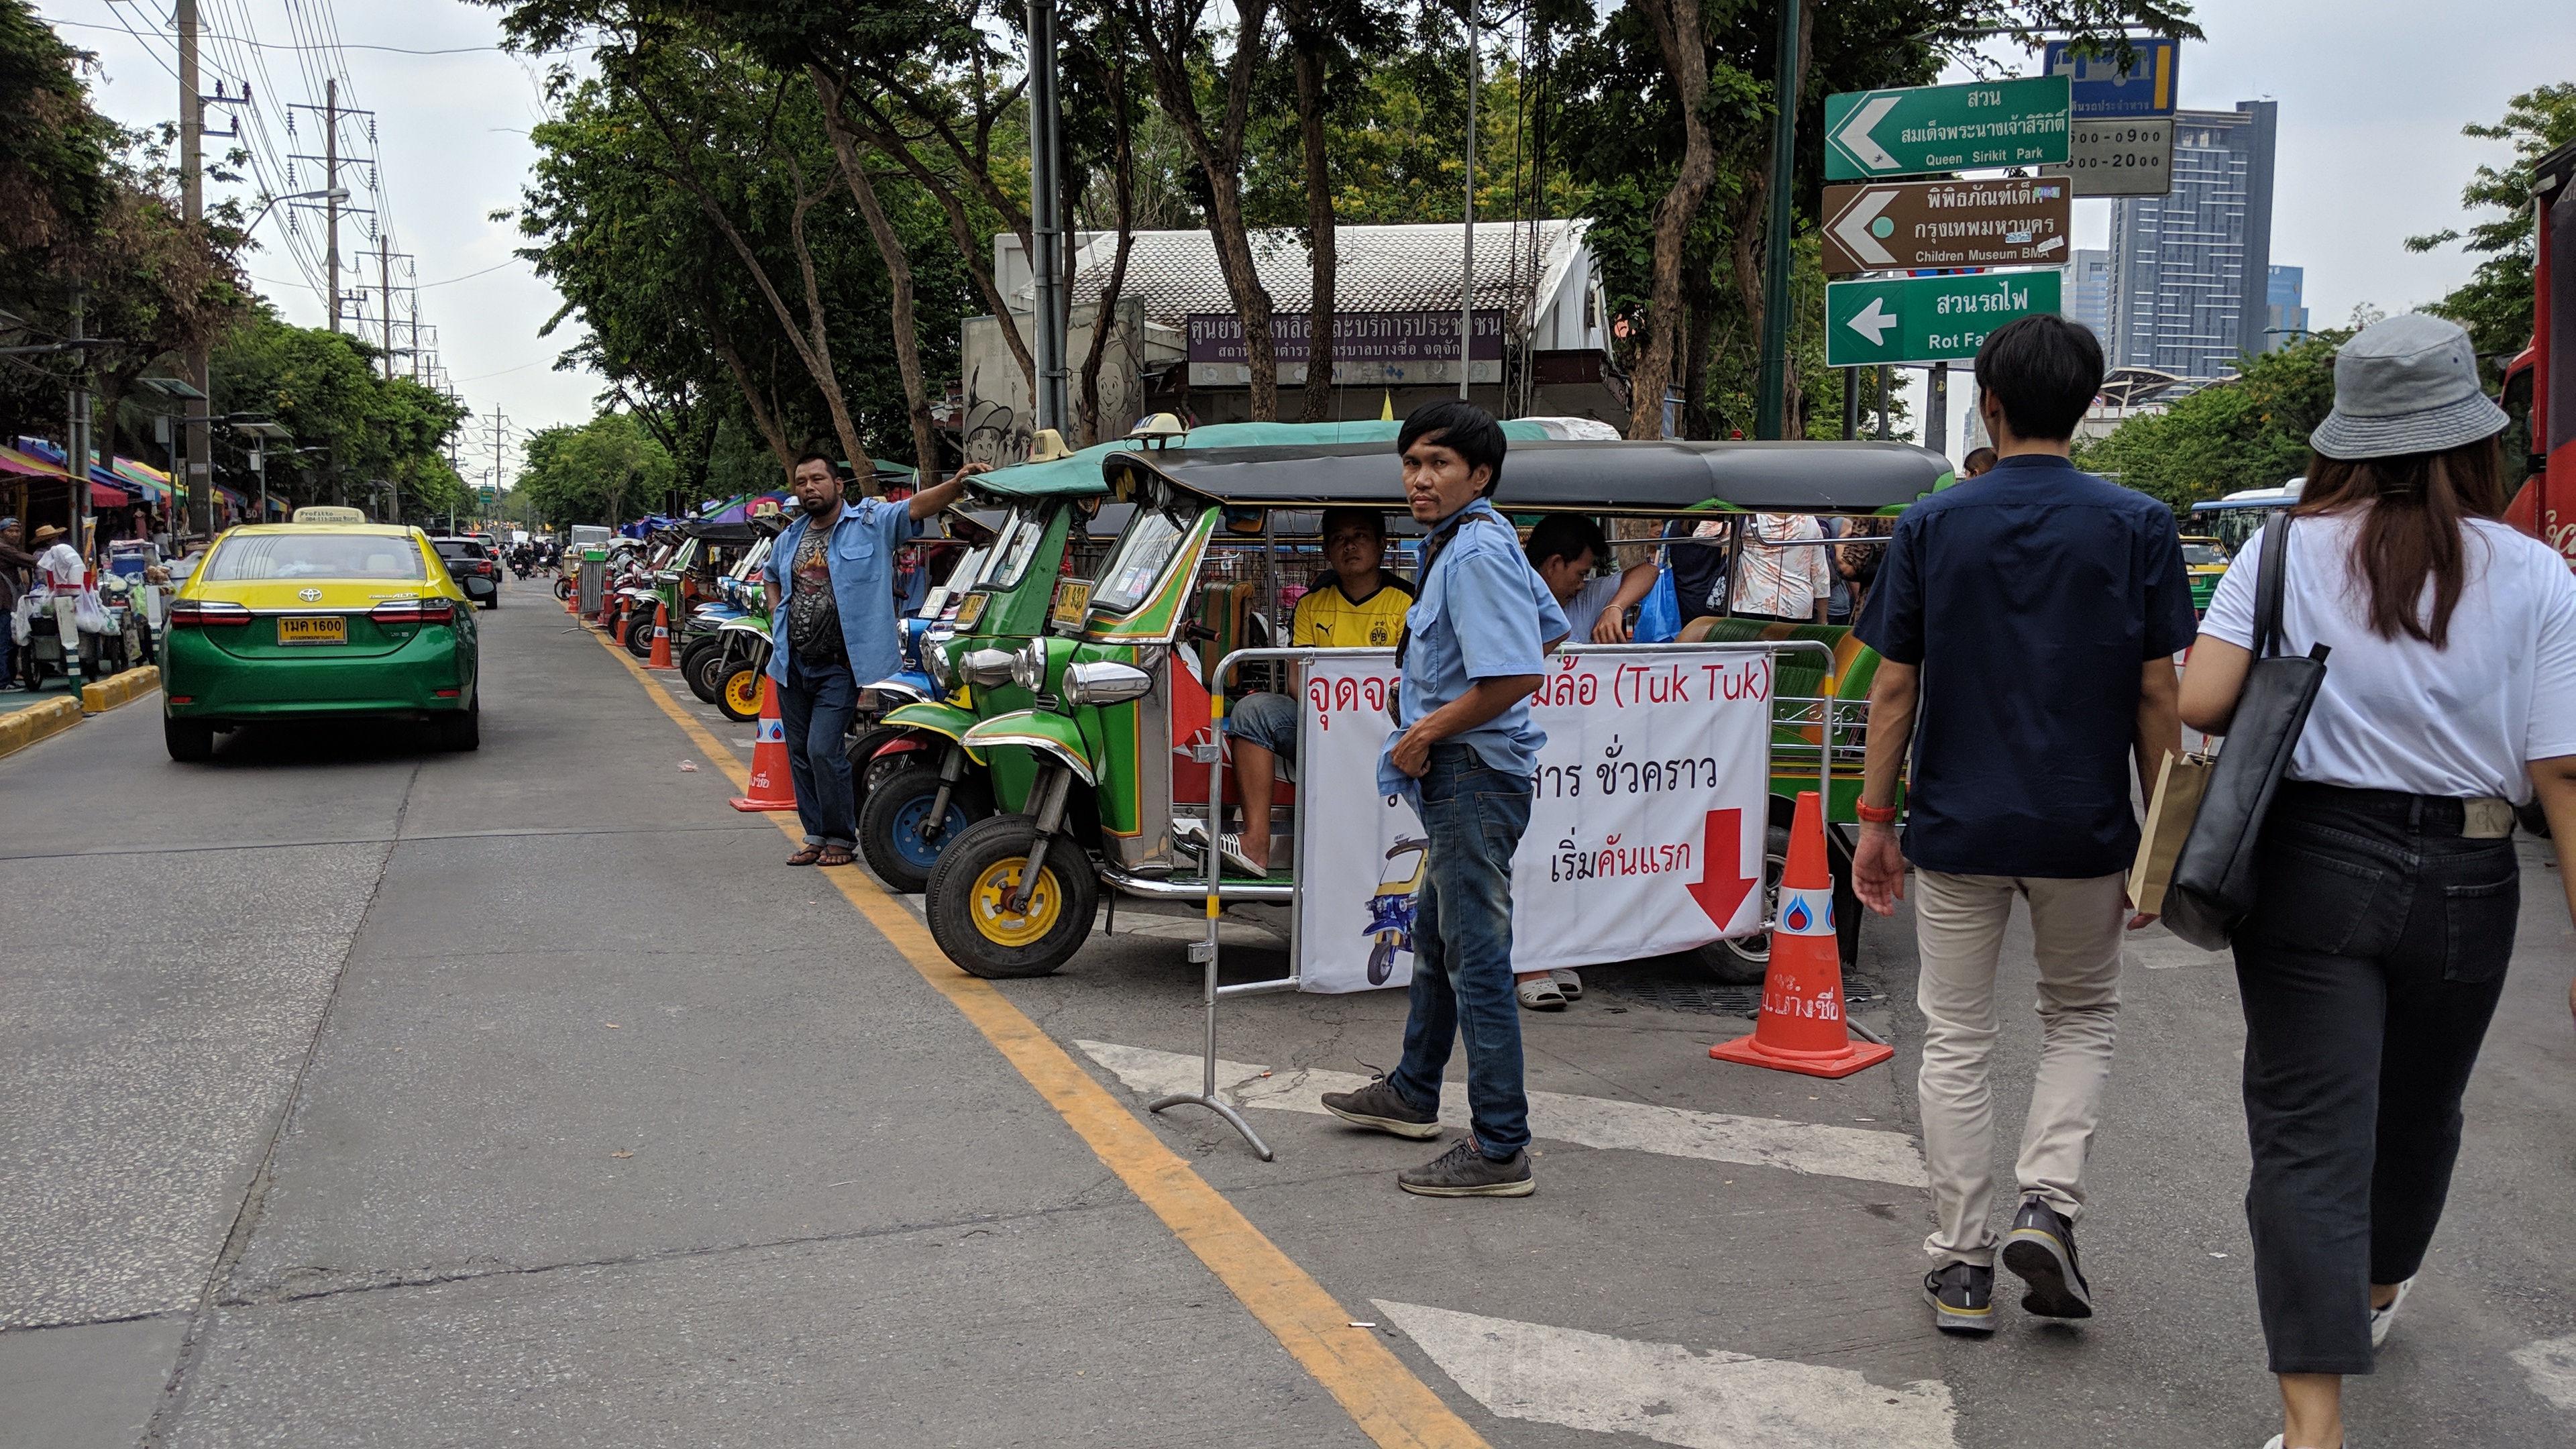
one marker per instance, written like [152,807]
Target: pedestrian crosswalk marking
[1802,1147]
[1669,1392]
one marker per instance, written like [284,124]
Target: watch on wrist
[1876,814]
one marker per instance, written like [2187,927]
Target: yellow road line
[1386,1400]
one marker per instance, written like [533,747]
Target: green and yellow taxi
[292,621]
[2204,563]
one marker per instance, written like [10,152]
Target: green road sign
[1927,319]
[2023,122]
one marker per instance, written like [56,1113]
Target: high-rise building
[2191,270]
[2088,294]
[2286,315]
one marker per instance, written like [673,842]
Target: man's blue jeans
[1462,947]
[814,710]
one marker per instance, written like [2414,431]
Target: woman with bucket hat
[2388,887]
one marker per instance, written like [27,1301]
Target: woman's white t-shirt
[2398,714]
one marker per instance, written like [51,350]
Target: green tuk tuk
[1096,725]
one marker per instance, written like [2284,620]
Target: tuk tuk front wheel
[894,822]
[1745,960]
[739,695]
[968,901]
[698,667]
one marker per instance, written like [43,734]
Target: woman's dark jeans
[2369,967]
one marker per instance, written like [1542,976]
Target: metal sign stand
[1213,755]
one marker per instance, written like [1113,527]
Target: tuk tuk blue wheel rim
[920,853]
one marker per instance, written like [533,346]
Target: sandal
[807,856]
[1539,995]
[1567,982]
[837,855]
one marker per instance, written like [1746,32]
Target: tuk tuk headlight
[934,658]
[1104,681]
[987,668]
[1028,667]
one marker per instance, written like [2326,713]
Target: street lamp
[261,432]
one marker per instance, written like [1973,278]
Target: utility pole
[76,427]
[1046,220]
[331,183]
[198,484]
[1467,249]
[1772,402]
[385,289]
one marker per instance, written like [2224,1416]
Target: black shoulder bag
[2213,879]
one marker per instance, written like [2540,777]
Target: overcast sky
[2372,92]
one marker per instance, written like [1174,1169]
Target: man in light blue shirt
[1465,753]
[833,569]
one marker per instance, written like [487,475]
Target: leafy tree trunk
[898,265]
[1309,60]
[1169,30]
[812,337]
[1677,30]
[764,418]
[1104,311]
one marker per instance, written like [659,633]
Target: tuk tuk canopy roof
[1082,474]
[1566,475]
[730,534]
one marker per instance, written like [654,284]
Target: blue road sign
[2104,91]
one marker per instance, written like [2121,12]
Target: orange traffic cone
[621,623]
[572,602]
[1802,1027]
[661,638]
[771,786]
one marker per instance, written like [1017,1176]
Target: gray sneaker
[1465,1171]
[1378,1105]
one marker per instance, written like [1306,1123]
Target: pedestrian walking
[17,568]
[1465,751]
[2027,620]
[833,569]
[2387,886]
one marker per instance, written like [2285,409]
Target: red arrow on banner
[1719,890]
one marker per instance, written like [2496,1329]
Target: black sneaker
[1963,1298]
[1378,1105]
[1465,1171]
[2041,1249]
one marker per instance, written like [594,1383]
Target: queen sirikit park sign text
[1922,129]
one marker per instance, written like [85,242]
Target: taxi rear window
[314,555]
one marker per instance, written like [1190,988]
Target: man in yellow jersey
[1359,605]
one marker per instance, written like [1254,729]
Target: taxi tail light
[414,611]
[206,614]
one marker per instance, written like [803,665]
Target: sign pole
[1467,250]
[1936,420]
[1773,401]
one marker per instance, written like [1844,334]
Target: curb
[120,688]
[21,728]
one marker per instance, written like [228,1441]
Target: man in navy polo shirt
[2027,620]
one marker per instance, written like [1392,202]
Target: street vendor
[16,567]
[59,563]
[1359,605]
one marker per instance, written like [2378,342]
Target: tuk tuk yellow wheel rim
[993,916]
[742,691]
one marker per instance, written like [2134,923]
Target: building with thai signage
[1538,343]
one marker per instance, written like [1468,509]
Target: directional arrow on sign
[1852,227]
[1721,887]
[1855,135]
[1873,322]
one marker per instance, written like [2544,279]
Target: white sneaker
[2275,1442]
[2384,1319]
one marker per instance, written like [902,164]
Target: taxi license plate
[326,629]
[1072,600]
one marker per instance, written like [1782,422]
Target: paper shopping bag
[2178,790]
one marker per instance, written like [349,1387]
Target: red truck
[2540,385]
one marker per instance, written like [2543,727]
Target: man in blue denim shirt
[1465,753]
[837,635]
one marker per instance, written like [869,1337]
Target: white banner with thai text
[1645,835]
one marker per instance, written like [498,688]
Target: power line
[273,45]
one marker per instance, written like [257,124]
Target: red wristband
[1876,814]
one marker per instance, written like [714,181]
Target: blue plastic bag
[1659,615]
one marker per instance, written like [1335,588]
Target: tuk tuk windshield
[1012,549]
[1127,580]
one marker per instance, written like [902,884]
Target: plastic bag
[22,619]
[1659,615]
[89,615]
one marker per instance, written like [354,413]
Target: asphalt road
[356,1094]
